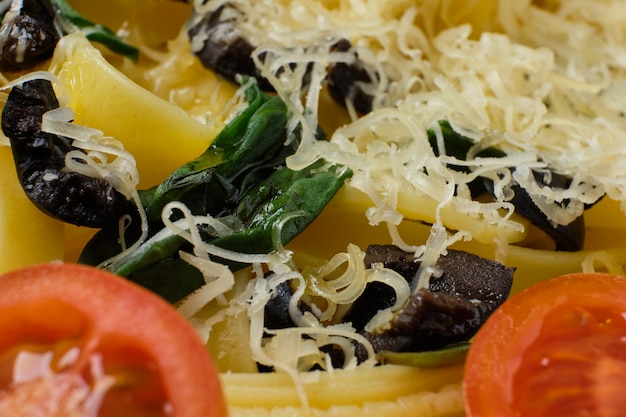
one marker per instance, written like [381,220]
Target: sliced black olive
[569,237]
[378,296]
[277,308]
[27,37]
[224,48]
[345,79]
[448,313]
[40,158]
[226,51]
[451,310]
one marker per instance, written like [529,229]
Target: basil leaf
[212,183]
[447,356]
[305,193]
[242,178]
[93,31]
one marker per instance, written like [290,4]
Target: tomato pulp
[555,349]
[78,341]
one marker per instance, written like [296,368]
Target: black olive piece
[451,310]
[343,81]
[378,296]
[570,237]
[224,49]
[40,158]
[276,314]
[277,317]
[29,37]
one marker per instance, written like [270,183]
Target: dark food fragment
[569,237]
[40,158]
[451,310]
[28,37]
[277,308]
[224,49]
[227,52]
[345,80]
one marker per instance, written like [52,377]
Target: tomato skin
[59,304]
[555,349]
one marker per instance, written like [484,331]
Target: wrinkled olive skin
[449,311]
[344,79]
[570,237]
[29,37]
[224,49]
[227,52]
[40,158]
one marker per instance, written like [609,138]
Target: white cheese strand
[218,280]
[402,291]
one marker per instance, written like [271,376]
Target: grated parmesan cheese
[528,90]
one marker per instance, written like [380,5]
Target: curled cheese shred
[95,155]
[291,350]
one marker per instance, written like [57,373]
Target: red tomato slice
[555,349]
[78,341]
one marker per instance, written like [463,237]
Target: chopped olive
[345,80]
[28,35]
[568,237]
[446,315]
[31,29]
[40,158]
[224,49]
[277,308]
[451,310]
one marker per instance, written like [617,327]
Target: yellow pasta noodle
[28,236]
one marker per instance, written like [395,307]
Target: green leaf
[241,177]
[95,32]
[305,192]
[458,146]
[212,183]
[448,356]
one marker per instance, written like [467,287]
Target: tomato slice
[556,349]
[78,341]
